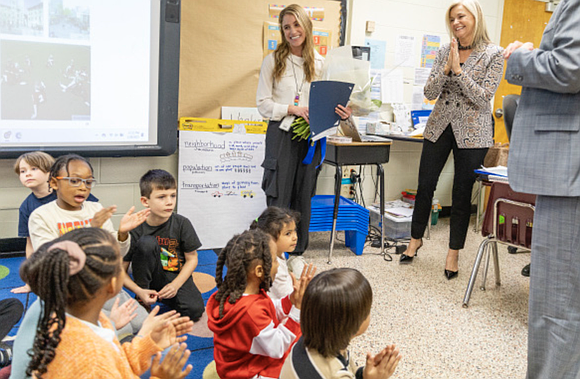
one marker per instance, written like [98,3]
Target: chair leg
[476,264]
[496,263]
[486,267]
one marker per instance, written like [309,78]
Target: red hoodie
[249,341]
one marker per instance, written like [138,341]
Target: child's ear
[53,183]
[145,201]
[112,286]
[259,271]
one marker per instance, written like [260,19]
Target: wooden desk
[354,154]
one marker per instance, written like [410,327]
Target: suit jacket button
[457,104]
[447,103]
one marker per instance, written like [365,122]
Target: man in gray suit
[545,160]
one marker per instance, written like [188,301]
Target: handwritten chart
[219,184]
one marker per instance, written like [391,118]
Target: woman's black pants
[433,158]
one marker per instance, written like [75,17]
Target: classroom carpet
[200,340]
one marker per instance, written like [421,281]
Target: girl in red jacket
[249,340]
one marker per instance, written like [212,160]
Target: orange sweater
[82,354]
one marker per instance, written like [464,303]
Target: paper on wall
[392,86]
[421,75]
[378,52]
[404,49]
[241,113]
[417,98]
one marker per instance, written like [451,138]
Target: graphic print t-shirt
[176,236]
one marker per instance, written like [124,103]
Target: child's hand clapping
[172,364]
[382,365]
[300,286]
[166,329]
[132,220]
[102,216]
[122,315]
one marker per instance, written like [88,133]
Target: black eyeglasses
[76,182]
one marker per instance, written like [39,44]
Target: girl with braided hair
[74,276]
[249,340]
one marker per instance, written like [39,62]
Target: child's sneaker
[295,265]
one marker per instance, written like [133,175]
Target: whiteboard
[219,185]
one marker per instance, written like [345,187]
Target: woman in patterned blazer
[464,78]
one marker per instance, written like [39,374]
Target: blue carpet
[201,348]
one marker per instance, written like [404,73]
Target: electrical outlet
[345,191]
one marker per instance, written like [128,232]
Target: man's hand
[516,45]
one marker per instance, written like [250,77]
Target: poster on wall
[219,183]
[272,38]
[429,48]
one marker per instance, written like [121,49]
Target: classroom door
[523,20]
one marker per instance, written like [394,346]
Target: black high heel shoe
[406,259]
[450,274]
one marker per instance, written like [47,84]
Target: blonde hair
[38,159]
[480,33]
[283,49]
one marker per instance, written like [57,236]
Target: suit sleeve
[482,93]
[437,77]
[558,69]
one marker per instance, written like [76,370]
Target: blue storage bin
[352,218]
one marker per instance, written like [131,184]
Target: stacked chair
[352,218]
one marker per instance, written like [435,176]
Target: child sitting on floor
[280,224]
[164,249]
[71,177]
[74,276]
[249,341]
[336,308]
[33,169]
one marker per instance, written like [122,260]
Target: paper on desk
[400,211]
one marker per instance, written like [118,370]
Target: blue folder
[325,95]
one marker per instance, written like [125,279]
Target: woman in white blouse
[283,93]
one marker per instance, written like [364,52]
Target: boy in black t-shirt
[164,250]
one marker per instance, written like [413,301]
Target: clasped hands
[453,62]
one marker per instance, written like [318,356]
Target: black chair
[510,104]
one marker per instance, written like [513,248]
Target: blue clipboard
[325,95]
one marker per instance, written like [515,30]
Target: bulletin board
[222,50]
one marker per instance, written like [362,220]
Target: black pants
[148,273]
[10,312]
[433,158]
[287,182]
